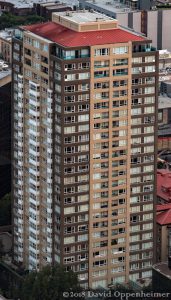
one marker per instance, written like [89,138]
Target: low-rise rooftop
[86,16]
[6,34]
[164,102]
[164,185]
[163,268]
[113,6]
[163,214]
[164,130]
[30,3]
[5,72]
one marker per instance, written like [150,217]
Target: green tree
[5,210]
[9,20]
[50,284]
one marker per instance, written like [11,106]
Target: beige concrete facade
[84,21]
[88,134]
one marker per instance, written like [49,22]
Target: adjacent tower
[85,97]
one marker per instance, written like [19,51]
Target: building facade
[85,98]
[5,130]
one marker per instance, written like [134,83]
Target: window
[69,77]
[134,266]
[135,111]
[102,51]
[69,129]
[83,87]
[69,109]
[83,198]
[146,274]
[149,110]
[83,148]
[69,190]
[69,210]
[135,190]
[83,75]
[134,219]
[69,240]
[147,236]
[83,118]
[84,52]
[84,65]
[135,141]
[149,139]
[148,188]
[135,228]
[82,128]
[36,44]
[69,54]
[134,238]
[118,72]
[83,97]
[83,107]
[150,69]
[135,247]
[148,168]
[120,50]
[149,90]
[137,60]
[148,226]
[135,121]
[70,88]
[70,67]
[147,245]
[69,99]
[149,129]
[148,197]
[149,119]
[137,70]
[135,131]
[149,58]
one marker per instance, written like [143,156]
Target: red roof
[164,218]
[164,185]
[163,207]
[70,38]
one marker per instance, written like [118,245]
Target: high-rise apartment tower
[84,140]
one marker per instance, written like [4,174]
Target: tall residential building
[85,97]
[5,129]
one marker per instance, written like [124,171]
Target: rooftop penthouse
[84,20]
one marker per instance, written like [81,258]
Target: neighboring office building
[155,23]
[46,9]
[164,101]
[163,231]
[164,60]
[163,186]
[5,129]
[85,172]
[164,137]
[164,67]
[164,112]
[6,44]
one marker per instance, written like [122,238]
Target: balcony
[120,73]
[143,48]
[101,74]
